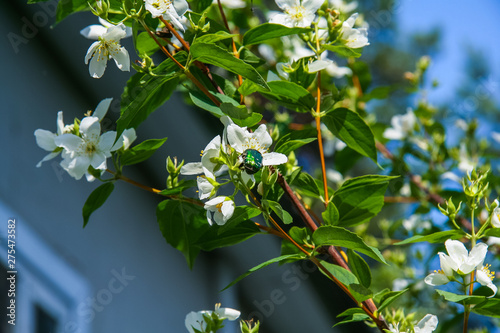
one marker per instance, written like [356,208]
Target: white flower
[45,139]
[402,126]
[206,167]
[297,13]
[240,139]
[352,37]
[195,320]
[485,277]
[233,4]
[108,46]
[205,188]
[342,6]
[222,208]
[427,324]
[91,149]
[458,260]
[171,10]
[395,329]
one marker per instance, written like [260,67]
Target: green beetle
[251,161]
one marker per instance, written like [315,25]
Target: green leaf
[294,140]
[331,214]
[144,93]
[492,232]
[240,115]
[216,237]
[352,315]
[349,127]
[437,237]
[264,264]
[299,235]
[348,279]
[290,95]
[360,199]
[182,224]
[387,298]
[240,214]
[199,5]
[67,7]
[359,268]
[343,51]
[342,274]
[306,185]
[95,200]
[141,152]
[462,299]
[490,307]
[214,55]
[147,45]
[267,31]
[215,37]
[337,236]
[279,211]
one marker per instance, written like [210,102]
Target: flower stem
[320,139]
[175,33]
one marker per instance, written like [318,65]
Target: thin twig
[320,139]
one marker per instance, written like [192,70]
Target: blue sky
[464,23]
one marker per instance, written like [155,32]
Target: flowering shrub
[272,84]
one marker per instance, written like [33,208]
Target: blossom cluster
[81,144]
[216,160]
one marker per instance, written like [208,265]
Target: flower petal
[102,108]
[70,142]
[60,123]
[273,159]
[228,313]
[194,168]
[97,65]
[204,188]
[210,204]
[447,264]
[125,140]
[227,210]
[45,139]
[122,59]
[106,142]
[427,324]
[47,158]
[436,279]
[261,138]
[237,137]
[76,167]
[90,128]
[93,31]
